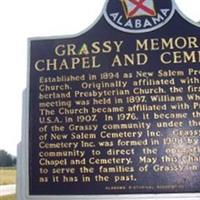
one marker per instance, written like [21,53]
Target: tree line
[6,159]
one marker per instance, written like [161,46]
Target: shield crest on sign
[134,8]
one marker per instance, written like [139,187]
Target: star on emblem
[134,8]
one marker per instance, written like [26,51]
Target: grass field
[10,197]
[7,176]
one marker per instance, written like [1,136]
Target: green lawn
[7,176]
[10,197]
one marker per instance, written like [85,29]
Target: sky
[22,19]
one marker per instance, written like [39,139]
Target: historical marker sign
[115,110]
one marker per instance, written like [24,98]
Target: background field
[7,176]
[10,197]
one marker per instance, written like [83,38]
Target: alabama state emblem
[136,16]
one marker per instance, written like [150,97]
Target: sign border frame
[23,149]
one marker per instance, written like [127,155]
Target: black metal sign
[116,110]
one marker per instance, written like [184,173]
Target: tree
[14,161]
[6,160]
